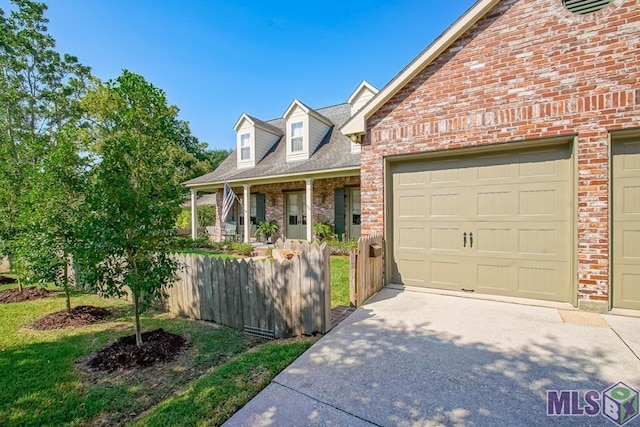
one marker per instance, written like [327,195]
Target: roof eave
[277,178]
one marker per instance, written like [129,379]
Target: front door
[295,218]
[354,213]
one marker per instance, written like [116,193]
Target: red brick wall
[529,69]
[323,210]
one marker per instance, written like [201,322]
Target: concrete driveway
[421,359]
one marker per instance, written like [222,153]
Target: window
[245,149]
[296,136]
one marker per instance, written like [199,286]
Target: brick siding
[529,69]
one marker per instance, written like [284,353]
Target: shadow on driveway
[419,359]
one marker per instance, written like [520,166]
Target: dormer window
[296,137]
[245,147]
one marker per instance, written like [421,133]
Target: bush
[337,247]
[241,248]
[322,230]
[184,219]
[206,217]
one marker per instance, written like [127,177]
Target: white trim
[246,117]
[194,214]
[307,110]
[364,84]
[357,123]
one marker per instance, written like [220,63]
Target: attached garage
[626,223]
[497,222]
[453,176]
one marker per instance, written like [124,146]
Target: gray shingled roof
[334,152]
[265,125]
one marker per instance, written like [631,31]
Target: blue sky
[217,59]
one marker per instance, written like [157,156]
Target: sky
[217,59]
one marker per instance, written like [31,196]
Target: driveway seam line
[625,343]
[327,404]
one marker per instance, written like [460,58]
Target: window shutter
[338,203]
[260,208]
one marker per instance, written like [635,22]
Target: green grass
[42,383]
[218,395]
[212,254]
[339,281]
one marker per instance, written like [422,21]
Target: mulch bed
[157,346]
[27,294]
[5,280]
[81,315]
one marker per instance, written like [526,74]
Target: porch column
[194,214]
[246,210]
[309,208]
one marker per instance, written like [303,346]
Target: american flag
[227,202]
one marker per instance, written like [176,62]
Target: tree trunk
[66,286]
[136,309]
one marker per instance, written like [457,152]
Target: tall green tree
[51,225]
[39,93]
[134,194]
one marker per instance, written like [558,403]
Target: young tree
[133,193]
[52,223]
[39,93]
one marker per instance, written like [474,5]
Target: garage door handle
[464,239]
[470,239]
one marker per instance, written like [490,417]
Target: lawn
[43,382]
[339,281]
[206,252]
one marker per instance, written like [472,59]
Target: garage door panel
[539,242]
[538,202]
[629,288]
[626,224]
[494,277]
[495,203]
[517,207]
[411,238]
[445,239]
[410,270]
[496,241]
[538,282]
[445,204]
[444,274]
[631,204]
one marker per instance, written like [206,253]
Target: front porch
[294,205]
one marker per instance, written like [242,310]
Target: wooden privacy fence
[277,299]
[365,273]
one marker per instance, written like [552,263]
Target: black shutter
[338,203]
[260,208]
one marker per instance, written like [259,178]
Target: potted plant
[322,230]
[268,229]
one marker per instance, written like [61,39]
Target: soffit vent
[584,7]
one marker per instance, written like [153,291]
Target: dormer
[254,138]
[358,99]
[305,130]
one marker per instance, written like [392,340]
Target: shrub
[241,248]
[337,247]
[322,230]
[206,217]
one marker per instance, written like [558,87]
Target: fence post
[353,277]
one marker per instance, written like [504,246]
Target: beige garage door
[626,224]
[489,223]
